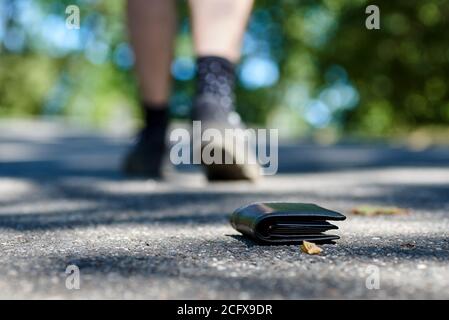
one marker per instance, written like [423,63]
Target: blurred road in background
[63,202]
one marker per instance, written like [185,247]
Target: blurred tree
[400,71]
[306,64]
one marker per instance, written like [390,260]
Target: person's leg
[152,29]
[218,28]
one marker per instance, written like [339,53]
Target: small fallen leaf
[370,211]
[310,248]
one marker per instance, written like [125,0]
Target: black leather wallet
[284,223]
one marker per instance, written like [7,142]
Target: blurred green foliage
[306,65]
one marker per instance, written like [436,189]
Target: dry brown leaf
[310,248]
[369,211]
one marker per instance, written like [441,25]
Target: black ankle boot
[214,106]
[145,157]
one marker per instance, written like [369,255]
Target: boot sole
[238,170]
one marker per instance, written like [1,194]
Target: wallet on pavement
[285,222]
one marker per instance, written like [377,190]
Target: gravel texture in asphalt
[63,202]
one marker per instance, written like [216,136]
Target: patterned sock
[215,96]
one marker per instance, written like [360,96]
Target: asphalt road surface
[63,202]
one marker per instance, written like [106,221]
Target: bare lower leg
[218,26]
[152,28]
